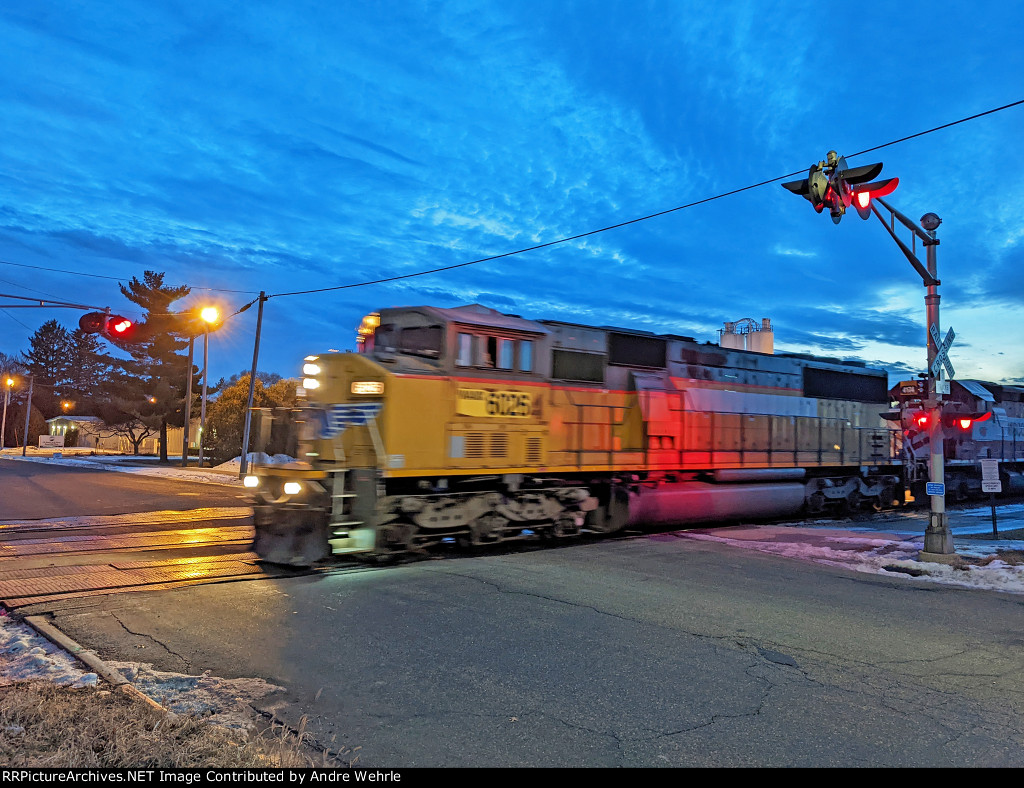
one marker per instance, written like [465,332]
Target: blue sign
[935,488]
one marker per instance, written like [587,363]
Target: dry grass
[45,725]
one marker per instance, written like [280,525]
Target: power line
[639,219]
[115,278]
[12,317]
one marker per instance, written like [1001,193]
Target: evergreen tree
[49,359]
[159,369]
[89,372]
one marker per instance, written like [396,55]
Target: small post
[992,503]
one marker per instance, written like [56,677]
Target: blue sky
[281,146]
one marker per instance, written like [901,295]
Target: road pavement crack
[187,663]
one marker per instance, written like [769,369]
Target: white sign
[942,351]
[990,477]
[51,441]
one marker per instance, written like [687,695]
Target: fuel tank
[701,502]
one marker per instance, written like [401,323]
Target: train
[470,426]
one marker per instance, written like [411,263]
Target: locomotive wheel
[885,500]
[853,501]
[816,503]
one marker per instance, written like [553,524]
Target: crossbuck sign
[942,352]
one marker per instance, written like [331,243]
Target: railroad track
[45,561]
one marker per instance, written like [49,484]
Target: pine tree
[89,372]
[49,359]
[159,368]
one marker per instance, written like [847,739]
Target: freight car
[984,421]
[478,427]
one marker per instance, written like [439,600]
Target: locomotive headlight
[251,481]
[292,488]
[310,383]
[367,386]
[309,368]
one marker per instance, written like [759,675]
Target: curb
[92,661]
[196,475]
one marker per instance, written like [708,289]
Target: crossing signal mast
[834,185]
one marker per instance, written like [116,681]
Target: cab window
[526,355]
[464,357]
[421,341]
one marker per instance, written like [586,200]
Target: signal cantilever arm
[929,280]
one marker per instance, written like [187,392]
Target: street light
[8,383]
[209,315]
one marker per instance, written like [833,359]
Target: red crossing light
[862,194]
[118,325]
[965,421]
[920,420]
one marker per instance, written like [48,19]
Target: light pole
[28,412]
[188,403]
[7,398]
[210,315]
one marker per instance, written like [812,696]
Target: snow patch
[25,655]
[255,458]
[224,702]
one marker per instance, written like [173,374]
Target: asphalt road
[34,490]
[651,651]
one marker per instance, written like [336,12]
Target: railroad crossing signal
[831,183]
[110,326]
[942,352]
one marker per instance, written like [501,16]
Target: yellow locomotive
[471,425]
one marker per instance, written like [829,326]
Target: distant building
[747,334]
[94,434]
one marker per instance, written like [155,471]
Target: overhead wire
[638,219]
[115,278]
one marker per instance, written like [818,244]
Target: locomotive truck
[478,427]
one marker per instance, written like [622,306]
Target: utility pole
[243,467]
